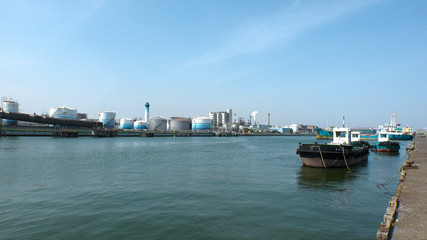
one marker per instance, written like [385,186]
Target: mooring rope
[391,179]
[345,160]
[321,156]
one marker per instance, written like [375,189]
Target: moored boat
[341,152]
[323,134]
[395,131]
[385,145]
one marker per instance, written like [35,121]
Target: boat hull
[387,150]
[400,137]
[332,156]
[389,146]
[332,163]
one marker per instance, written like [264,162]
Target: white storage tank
[63,113]
[10,106]
[140,125]
[126,123]
[157,124]
[107,118]
[202,124]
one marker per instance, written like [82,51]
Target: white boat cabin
[355,136]
[341,136]
[383,137]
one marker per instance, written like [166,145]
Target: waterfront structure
[180,124]
[307,128]
[157,124]
[281,129]
[220,119]
[126,123]
[9,105]
[140,125]
[294,127]
[108,119]
[63,113]
[201,124]
[82,116]
[147,111]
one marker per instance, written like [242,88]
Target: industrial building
[9,105]
[201,124]
[220,119]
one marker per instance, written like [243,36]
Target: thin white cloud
[264,33]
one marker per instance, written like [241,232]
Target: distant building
[294,127]
[307,128]
[282,129]
[220,119]
[81,116]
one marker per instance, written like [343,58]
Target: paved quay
[410,216]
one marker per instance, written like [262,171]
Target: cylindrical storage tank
[63,113]
[180,124]
[140,125]
[10,106]
[126,123]
[108,119]
[202,124]
[157,124]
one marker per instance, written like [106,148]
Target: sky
[305,62]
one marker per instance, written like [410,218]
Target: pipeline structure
[49,120]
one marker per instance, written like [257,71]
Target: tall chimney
[147,111]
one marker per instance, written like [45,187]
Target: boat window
[383,135]
[355,135]
[340,134]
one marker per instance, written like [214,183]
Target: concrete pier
[406,215]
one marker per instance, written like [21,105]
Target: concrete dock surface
[411,213]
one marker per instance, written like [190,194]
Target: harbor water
[185,188]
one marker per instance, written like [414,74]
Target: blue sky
[302,61]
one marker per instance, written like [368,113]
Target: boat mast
[343,121]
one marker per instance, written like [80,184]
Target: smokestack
[147,111]
[268,120]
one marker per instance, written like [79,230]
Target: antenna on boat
[343,121]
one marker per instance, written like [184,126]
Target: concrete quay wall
[406,214]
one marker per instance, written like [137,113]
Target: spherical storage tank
[108,119]
[202,124]
[126,123]
[10,106]
[157,124]
[63,113]
[180,124]
[140,125]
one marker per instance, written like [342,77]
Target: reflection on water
[391,154]
[320,178]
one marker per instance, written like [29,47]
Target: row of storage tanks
[157,123]
[108,118]
[9,106]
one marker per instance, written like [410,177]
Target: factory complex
[217,123]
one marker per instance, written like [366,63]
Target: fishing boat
[345,150]
[323,134]
[395,131]
[385,145]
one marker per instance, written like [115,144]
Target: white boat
[395,131]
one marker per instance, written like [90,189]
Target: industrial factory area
[68,122]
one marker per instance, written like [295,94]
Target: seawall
[406,214]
